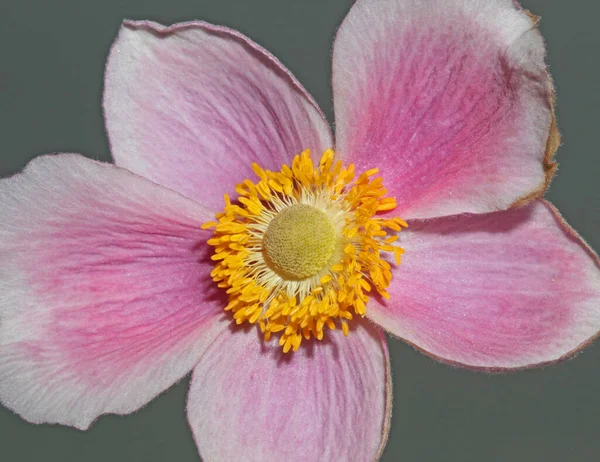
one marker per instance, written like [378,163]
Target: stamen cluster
[298,308]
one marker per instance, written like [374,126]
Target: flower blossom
[234,237]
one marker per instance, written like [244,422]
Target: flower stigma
[299,241]
[301,249]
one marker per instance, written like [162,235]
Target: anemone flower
[233,238]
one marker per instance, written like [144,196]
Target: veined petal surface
[449,99]
[330,400]
[503,290]
[105,295]
[192,105]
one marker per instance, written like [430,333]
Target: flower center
[299,242]
[301,249]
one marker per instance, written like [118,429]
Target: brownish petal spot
[552,143]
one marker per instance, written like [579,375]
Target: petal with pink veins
[105,294]
[503,290]
[191,106]
[330,400]
[449,99]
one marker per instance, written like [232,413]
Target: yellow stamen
[300,248]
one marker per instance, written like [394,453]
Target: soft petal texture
[105,299]
[330,400]
[191,106]
[449,99]
[503,290]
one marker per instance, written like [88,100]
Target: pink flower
[107,283]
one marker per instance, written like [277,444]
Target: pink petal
[191,106]
[503,290]
[106,300]
[330,400]
[449,99]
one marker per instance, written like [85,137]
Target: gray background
[52,61]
